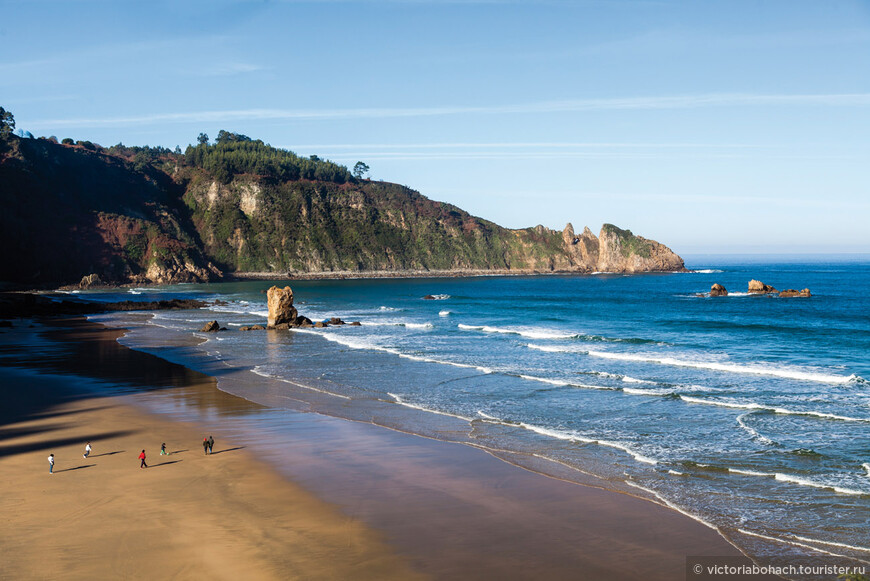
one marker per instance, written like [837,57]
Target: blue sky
[709,126]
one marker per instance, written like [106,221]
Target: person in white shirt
[50,463]
[87,450]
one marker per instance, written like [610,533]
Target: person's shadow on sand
[227,450]
[107,453]
[164,463]
[75,468]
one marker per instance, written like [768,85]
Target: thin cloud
[514,145]
[567,106]
[229,69]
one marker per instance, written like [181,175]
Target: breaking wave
[785,372]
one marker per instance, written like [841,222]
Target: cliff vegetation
[236,205]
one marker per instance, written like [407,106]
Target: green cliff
[140,215]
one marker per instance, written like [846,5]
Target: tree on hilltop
[202,139]
[7,123]
[360,170]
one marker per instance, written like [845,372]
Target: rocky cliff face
[72,211]
[622,251]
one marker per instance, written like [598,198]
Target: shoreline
[405,274]
[612,517]
[342,275]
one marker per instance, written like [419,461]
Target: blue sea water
[750,413]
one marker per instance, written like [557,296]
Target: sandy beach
[334,506]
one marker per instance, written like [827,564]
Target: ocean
[748,413]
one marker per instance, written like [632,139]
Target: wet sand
[382,504]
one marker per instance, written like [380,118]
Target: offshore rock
[758,287]
[280,302]
[252,328]
[211,327]
[790,292]
[175,270]
[717,290]
[90,280]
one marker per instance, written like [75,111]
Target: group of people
[207,446]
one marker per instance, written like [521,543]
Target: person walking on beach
[163,451]
[142,458]
[50,463]
[210,445]
[87,450]
[205,445]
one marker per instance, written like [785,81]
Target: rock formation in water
[758,287]
[281,309]
[717,290]
[790,292]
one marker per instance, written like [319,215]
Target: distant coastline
[399,274]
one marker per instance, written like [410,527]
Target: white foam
[777,410]
[788,373]
[563,382]
[650,392]
[805,546]
[751,473]
[440,297]
[557,434]
[675,473]
[444,313]
[671,505]
[793,480]
[706,271]
[402,402]
[814,484]
[239,309]
[557,348]
[574,437]
[387,309]
[482,369]
[866,467]
[832,544]
[530,332]
[752,431]
[262,373]
[628,379]
[489,417]
[637,456]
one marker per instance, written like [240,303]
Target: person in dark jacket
[205,445]
[210,444]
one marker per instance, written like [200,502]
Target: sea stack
[790,292]
[281,309]
[758,287]
[717,290]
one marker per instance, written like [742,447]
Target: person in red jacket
[142,457]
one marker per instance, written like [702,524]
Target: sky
[712,127]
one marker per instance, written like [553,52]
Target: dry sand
[187,516]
